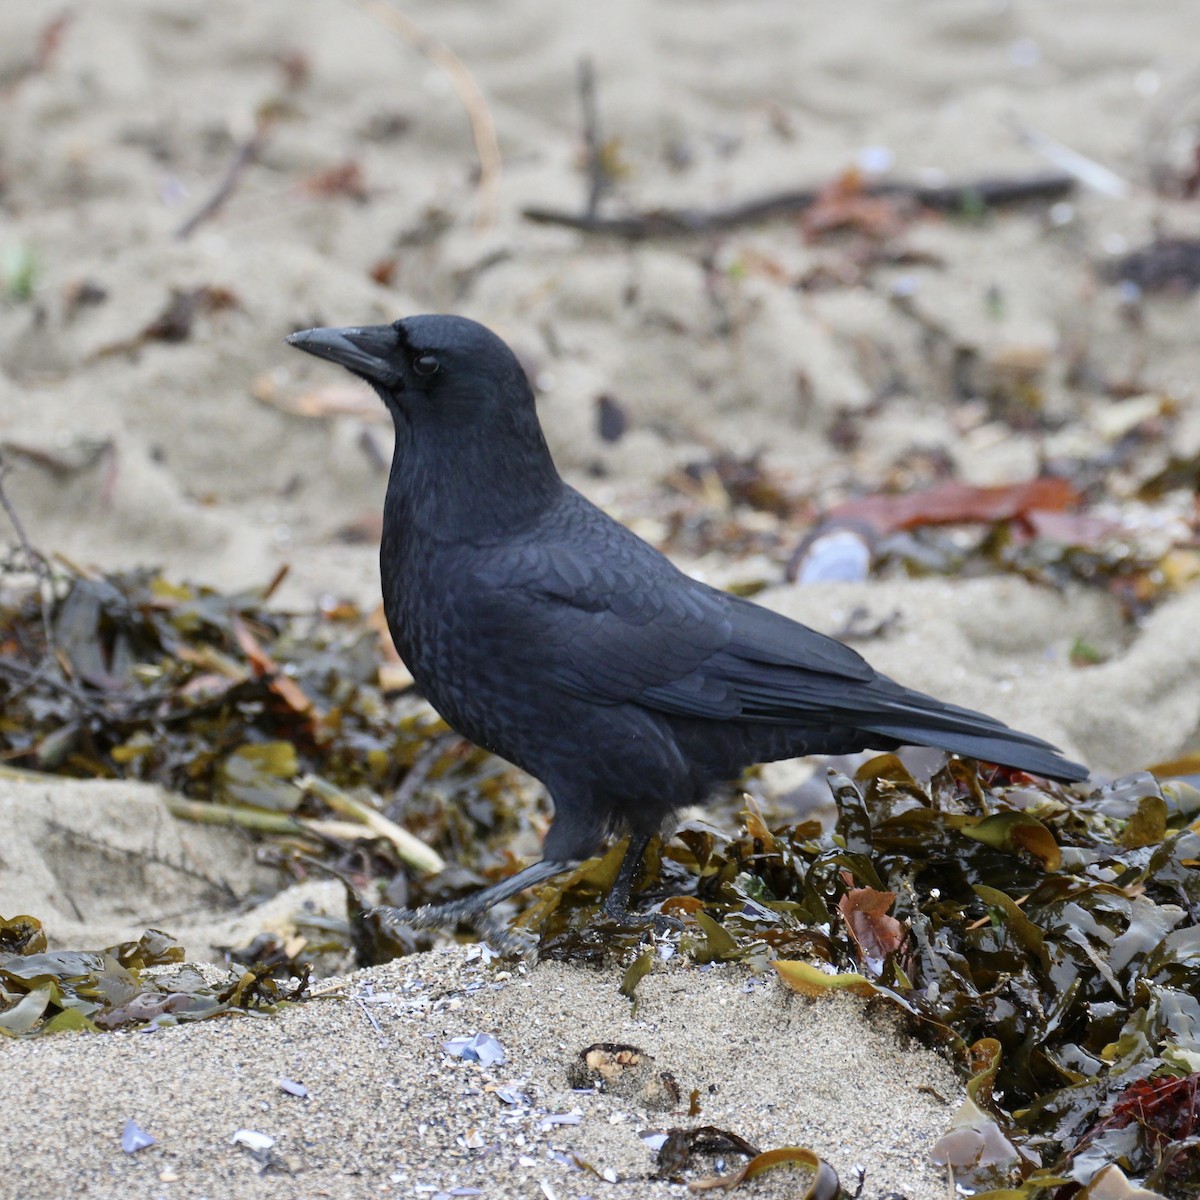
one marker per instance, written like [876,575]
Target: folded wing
[626,626]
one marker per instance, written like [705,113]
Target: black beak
[365,350]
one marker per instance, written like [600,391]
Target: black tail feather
[1004,746]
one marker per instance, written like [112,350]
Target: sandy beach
[140,432]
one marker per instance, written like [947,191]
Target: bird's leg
[616,903]
[471,908]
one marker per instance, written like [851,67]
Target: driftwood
[684,222]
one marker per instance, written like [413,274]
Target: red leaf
[877,935]
[955,504]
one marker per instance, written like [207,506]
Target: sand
[182,454]
[390,1112]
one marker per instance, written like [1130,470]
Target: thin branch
[470,96]
[35,560]
[685,222]
[49,673]
[424,762]
[598,177]
[48,43]
[247,153]
[53,669]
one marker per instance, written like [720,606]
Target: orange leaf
[956,503]
[286,688]
[876,934]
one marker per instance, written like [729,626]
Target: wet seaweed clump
[302,729]
[135,984]
[1077,525]
[1051,940]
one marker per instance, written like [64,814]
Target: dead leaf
[843,204]
[877,935]
[956,504]
[344,179]
[283,685]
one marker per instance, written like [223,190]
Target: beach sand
[183,453]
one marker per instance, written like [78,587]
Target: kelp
[1136,541]
[1050,940]
[682,1145]
[209,694]
[134,984]
[295,725]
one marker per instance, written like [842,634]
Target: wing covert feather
[626,626]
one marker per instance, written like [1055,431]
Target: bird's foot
[428,916]
[473,909]
[508,942]
[627,919]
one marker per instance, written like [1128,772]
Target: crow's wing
[610,620]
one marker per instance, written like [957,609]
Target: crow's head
[443,370]
[470,457]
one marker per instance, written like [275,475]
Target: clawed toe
[658,921]
[428,917]
[509,941]
[504,940]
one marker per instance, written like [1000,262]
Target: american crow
[545,631]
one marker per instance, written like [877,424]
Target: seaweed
[1049,940]
[293,726]
[142,983]
[681,1145]
[1125,523]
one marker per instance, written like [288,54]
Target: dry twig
[54,668]
[599,179]
[685,222]
[48,43]
[35,561]
[247,153]
[483,128]
[416,775]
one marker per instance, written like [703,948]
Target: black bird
[548,633]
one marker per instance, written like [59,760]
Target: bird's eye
[426,364]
